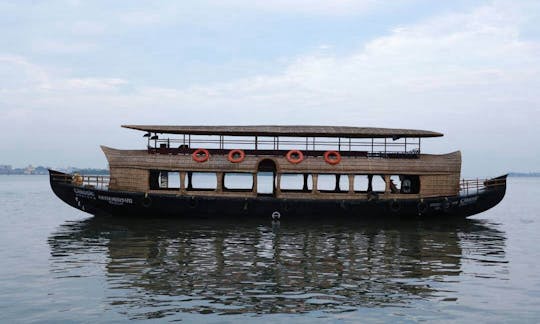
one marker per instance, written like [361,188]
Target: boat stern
[478,196]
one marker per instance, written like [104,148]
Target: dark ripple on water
[156,268]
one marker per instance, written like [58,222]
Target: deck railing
[87,181]
[413,154]
[376,147]
[467,186]
[472,186]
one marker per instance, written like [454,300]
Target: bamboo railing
[88,181]
[471,186]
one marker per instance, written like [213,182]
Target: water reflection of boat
[226,267]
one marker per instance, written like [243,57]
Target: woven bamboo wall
[426,164]
[439,173]
[128,179]
[439,185]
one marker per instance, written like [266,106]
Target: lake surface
[59,264]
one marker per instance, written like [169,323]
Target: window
[361,183]
[162,180]
[395,184]
[238,181]
[378,183]
[265,182]
[343,183]
[405,184]
[369,183]
[202,181]
[296,182]
[326,182]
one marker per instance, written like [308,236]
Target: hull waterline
[132,204]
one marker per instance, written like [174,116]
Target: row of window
[267,182]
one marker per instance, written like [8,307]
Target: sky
[73,71]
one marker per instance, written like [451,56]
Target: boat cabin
[286,162]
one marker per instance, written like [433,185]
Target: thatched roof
[293,131]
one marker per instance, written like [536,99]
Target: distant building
[6,169]
[29,169]
[41,170]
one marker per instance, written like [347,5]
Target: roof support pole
[183,182]
[220,182]
[315,178]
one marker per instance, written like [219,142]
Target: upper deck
[277,140]
[295,131]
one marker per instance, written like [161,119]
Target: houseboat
[279,172]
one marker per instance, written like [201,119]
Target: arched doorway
[266,178]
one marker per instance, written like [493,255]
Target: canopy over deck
[292,131]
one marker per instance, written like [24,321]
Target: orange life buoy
[241,155]
[332,157]
[295,156]
[200,155]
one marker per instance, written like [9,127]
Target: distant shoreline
[41,170]
[524,174]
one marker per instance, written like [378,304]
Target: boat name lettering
[116,200]
[84,193]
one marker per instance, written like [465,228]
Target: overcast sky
[71,72]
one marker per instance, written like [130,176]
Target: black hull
[118,203]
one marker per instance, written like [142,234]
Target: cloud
[320,7]
[88,28]
[18,74]
[220,11]
[470,74]
[56,46]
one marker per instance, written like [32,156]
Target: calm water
[59,264]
